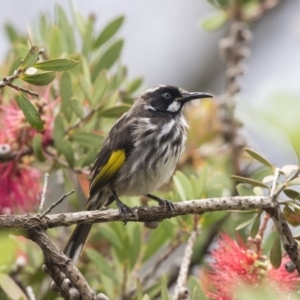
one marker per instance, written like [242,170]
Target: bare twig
[18,88]
[62,198]
[274,182]
[43,196]
[181,292]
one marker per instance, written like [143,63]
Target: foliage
[64,129]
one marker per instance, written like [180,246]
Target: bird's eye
[167,95]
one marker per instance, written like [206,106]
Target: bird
[138,155]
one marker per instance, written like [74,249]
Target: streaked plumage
[139,154]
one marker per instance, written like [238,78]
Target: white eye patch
[174,106]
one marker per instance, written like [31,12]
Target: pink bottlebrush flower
[19,181]
[14,129]
[20,188]
[233,266]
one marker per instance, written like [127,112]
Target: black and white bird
[139,154]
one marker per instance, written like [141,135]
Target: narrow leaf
[259,158]
[255,226]
[290,216]
[108,58]
[185,183]
[164,289]
[31,114]
[39,79]
[114,112]
[58,65]
[244,190]
[31,58]
[245,223]
[214,21]
[77,107]
[64,147]
[275,254]
[109,31]
[100,87]
[292,194]
[249,181]
[87,139]
[134,84]
[139,289]
[66,92]
[59,130]
[38,147]
[55,42]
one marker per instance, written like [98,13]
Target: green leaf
[214,21]
[114,112]
[100,88]
[85,86]
[58,65]
[31,114]
[179,188]
[292,194]
[88,158]
[66,92]
[38,147]
[11,288]
[39,79]
[255,226]
[88,40]
[108,58]
[139,289]
[11,33]
[249,181]
[134,85]
[211,218]
[275,254]
[290,216]
[135,243]
[186,185]
[8,249]
[87,139]
[101,263]
[245,223]
[31,58]
[164,289]
[67,30]
[77,107]
[244,190]
[55,42]
[109,31]
[59,130]
[64,147]
[158,238]
[259,158]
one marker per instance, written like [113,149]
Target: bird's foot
[160,201]
[123,210]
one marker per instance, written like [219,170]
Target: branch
[58,263]
[140,214]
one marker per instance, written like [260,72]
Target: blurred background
[165,44]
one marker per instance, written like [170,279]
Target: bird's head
[168,99]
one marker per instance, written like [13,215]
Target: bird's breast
[157,149]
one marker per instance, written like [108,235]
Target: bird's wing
[116,148]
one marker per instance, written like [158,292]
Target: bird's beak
[191,96]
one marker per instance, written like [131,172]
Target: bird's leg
[123,208]
[160,201]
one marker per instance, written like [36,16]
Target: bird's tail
[77,240]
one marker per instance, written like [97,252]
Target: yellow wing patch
[113,165]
